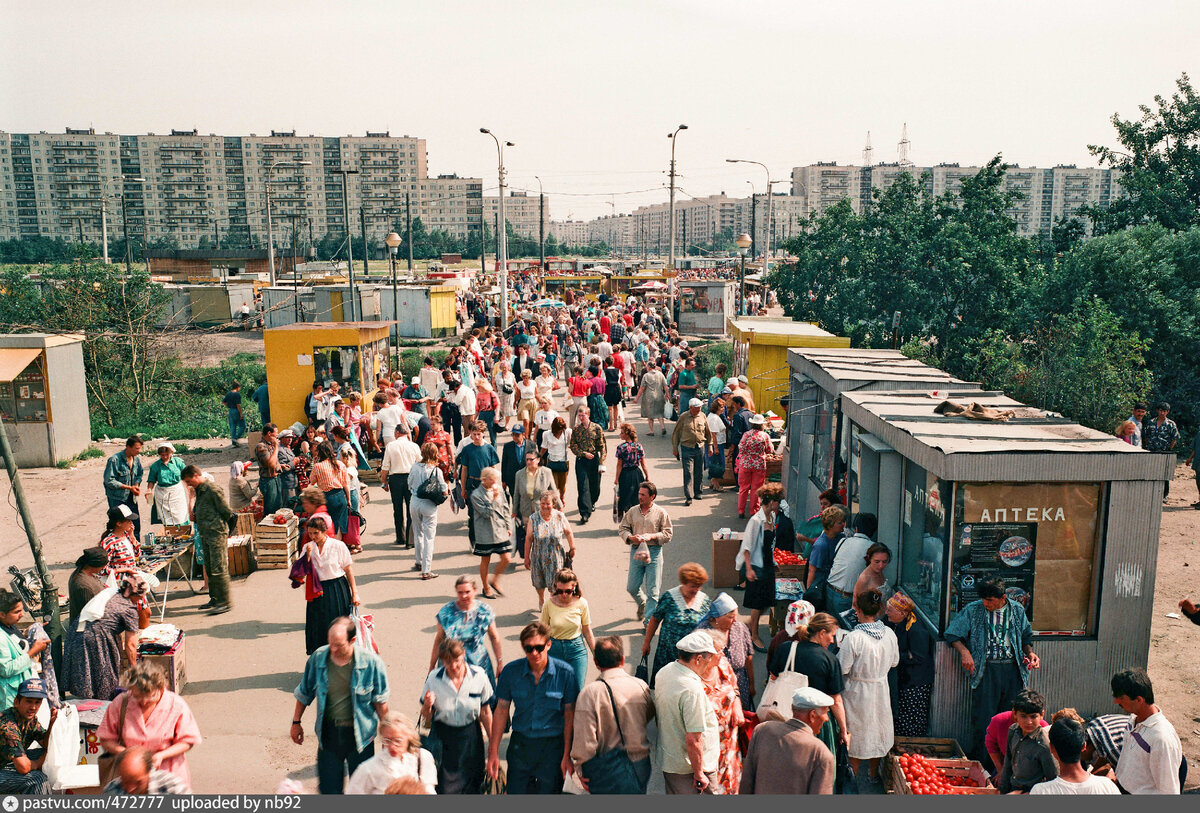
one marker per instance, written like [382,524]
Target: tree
[1159,163]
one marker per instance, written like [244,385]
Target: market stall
[582,286]
[1067,516]
[420,311]
[818,377]
[760,345]
[352,353]
[43,397]
[705,305]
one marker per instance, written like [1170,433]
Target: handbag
[776,703]
[431,742]
[612,772]
[845,773]
[494,787]
[432,489]
[643,669]
[559,466]
[108,761]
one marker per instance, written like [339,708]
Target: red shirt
[605,325]
[996,739]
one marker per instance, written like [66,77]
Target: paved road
[243,666]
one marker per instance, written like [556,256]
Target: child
[1027,758]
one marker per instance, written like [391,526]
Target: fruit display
[783,557]
[925,778]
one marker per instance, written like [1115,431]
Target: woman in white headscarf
[242,493]
[167,490]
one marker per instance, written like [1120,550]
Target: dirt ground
[209,349]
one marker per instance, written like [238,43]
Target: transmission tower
[868,152]
[903,148]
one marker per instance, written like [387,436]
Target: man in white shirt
[605,349]
[1152,755]
[1066,746]
[688,737]
[398,459]
[464,397]
[848,564]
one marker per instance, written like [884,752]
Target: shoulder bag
[108,761]
[612,772]
[431,488]
[776,703]
[815,593]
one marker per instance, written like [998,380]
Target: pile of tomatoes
[783,557]
[926,779]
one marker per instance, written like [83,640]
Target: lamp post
[767,249]
[671,242]
[349,247]
[125,220]
[393,243]
[501,229]
[541,227]
[743,242]
[270,230]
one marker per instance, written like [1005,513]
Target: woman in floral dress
[631,469]
[738,649]
[677,613]
[720,684]
[549,544]
[472,622]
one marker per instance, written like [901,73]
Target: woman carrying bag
[429,490]
[455,702]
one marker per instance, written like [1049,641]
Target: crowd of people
[494,432]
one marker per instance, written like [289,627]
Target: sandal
[489,595]
[496,589]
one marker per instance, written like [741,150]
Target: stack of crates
[276,543]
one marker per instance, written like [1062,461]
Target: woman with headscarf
[242,493]
[166,488]
[16,655]
[738,650]
[91,657]
[721,688]
[809,634]
[912,679]
[287,466]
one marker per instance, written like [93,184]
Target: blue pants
[237,425]
[535,764]
[337,757]
[574,652]
[339,510]
[645,579]
[836,603]
[488,416]
[693,470]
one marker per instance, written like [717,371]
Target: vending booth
[760,345]
[705,305]
[420,311]
[43,397]
[1068,517]
[351,353]
[818,378]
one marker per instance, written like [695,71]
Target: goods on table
[790,565]
[277,539]
[914,774]
[935,747]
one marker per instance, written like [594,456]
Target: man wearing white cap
[690,442]
[688,737]
[786,757]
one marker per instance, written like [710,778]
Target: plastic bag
[364,627]
[669,412]
[62,749]
[572,785]
[642,552]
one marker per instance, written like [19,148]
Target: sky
[589,91]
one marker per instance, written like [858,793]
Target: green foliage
[412,358]
[709,356]
[1160,164]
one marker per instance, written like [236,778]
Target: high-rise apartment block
[521,210]
[185,186]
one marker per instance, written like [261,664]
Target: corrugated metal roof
[777,326]
[1031,446]
[838,370]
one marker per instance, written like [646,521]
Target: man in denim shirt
[351,689]
[995,643]
[123,480]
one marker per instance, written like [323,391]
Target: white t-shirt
[373,776]
[1092,786]
[545,385]
[848,565]
[330,563]
[526,392]
[465,398]
[717,427]
[556,448]
[389,418]
[543,418]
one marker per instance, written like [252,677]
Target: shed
[43,397]
[760,345]
[705,305]
[819,377]
[283,306]
[1067,516]
[331,303]
[420,311]
[297,355]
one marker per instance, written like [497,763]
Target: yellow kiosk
[760,345]
[351,353]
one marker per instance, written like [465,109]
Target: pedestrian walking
[688,735]
[753,448]
[492,522]
[399,456]
[569,620]
[423,512]
[549,543]
[455,704]
[691,440]
[587,444]
[677,613]
[786,757]
[631,470]
[645,524]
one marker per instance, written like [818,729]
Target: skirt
[526,409]
[171,502]
[628,484]
[612,395]
[463,758]
[545,559]
[760,593]
[339,510]
[333,603]
[913,717]
[716,463]
[598,410]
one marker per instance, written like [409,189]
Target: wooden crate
[246,525]
[272,555]
[243,557]
[951,767]
[932,747]
[173,665]
[791,572]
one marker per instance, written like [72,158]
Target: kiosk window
[1040,538]
[822,460]
[341,364]
[922,567]
[24,400]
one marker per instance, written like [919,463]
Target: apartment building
[186,187]
[521,210]
[571,232]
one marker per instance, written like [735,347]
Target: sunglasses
[570,591]
[530,648]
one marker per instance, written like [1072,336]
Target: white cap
[696,642]
[695,402]
[810,698]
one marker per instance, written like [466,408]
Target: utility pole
[502,229]
[753,224]
[346,219]
[125,230]
[362,221]
[482,240]
[542,231]
[50,612]
[408,229]
[104,226]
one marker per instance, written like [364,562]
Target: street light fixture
[503,232]
[743,242]
[671,243]
[393,243]
[270,230]
[767,249]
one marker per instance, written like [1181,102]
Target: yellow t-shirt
[566,623]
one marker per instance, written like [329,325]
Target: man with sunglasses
[541,692]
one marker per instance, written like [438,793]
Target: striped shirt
[328,476]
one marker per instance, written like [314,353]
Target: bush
[707,359]
[413,358]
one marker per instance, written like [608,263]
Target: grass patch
[87,454]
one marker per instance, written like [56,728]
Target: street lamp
[767,249]
[671,242]
[541,227]
[393,243]
[270,231]
[743,242]
[349,244]
[503,231]
[125,219]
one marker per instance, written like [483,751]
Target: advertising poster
[996,549]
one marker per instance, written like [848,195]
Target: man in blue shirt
[123,477]
[237,421]
[820,558]
[262,397]
[541,692]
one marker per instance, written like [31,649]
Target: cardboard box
[724,551]
[173,666]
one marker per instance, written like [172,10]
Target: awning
[14,360]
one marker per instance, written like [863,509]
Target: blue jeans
[534,764]
[573,651]
[237,425]
[693,470]
[836,603]
[488,416]
[645,579]
[339,510]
